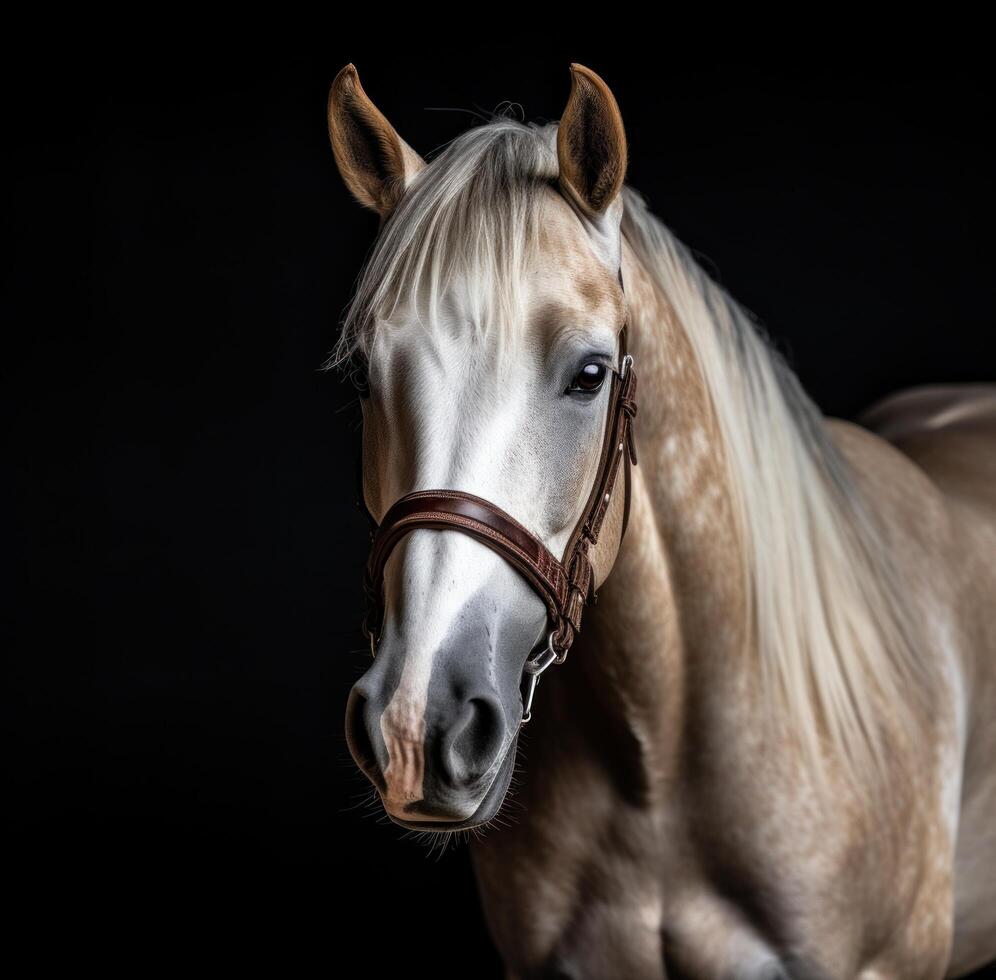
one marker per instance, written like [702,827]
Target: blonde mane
[830,623]
[829,619]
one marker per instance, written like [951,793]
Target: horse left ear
[591,144]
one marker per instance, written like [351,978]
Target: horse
[772,750]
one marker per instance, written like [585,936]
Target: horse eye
[589,378]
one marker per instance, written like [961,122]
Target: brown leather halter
[566,585]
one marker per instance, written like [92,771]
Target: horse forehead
[566,290]
[568,269]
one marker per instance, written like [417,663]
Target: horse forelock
[471,217]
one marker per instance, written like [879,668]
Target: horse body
[949,432]
[770,752]
[697,843]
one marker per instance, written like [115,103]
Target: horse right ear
[591,143]
[591,151]
[374,161]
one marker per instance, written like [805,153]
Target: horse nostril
[358,735]
[470,748]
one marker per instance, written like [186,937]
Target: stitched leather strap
[454,509]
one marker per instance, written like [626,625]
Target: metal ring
[534,668]
[544,660]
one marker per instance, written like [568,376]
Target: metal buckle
[534,668]
[621,372]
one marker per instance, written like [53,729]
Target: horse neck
[672,611]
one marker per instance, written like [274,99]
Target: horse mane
[829,622]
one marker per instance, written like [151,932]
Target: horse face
[434,720]
[509,406]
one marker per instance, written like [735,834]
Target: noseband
[565,585]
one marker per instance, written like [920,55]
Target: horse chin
[486,810]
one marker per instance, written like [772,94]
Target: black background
[185,549]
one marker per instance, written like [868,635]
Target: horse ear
[591,143]
[376,164]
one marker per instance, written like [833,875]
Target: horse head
[486,330]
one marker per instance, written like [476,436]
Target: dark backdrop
[185,550]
